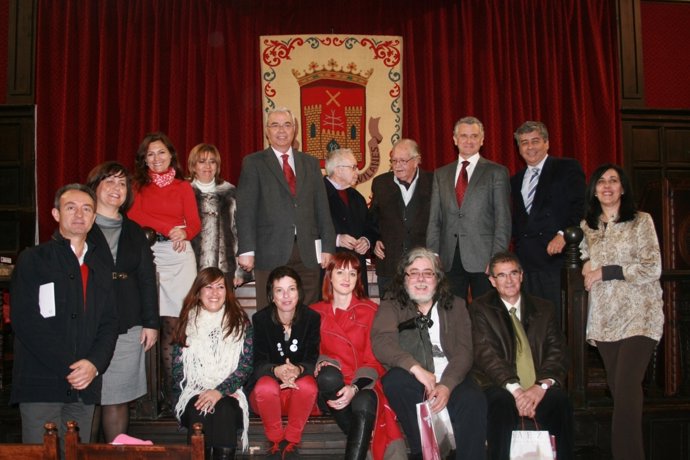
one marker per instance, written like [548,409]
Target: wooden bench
[46,451]
[74,450]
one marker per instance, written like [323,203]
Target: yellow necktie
[523,353]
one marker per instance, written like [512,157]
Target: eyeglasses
[402,162]
[285,126]
[504,276]
[352,167]
[426,275]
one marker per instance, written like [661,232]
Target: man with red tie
[469,218]
[283,216]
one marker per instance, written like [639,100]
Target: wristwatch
[544,386]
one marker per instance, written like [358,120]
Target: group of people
[462,323]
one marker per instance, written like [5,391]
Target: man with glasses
[520,360]
[354,231]
[422,335]
[469,219]
[282,211]
[399,209]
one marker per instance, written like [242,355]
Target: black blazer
[271,349]
[399,227]
[134,279]
[353,220]
[558,204]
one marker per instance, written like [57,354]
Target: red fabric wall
[666,54]
[112,70]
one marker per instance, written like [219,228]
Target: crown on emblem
[331,71]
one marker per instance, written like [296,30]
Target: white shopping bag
[435,431]
[531,445]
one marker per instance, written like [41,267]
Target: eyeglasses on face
[504,276]
[426,275]
[401,162]
[276,126]
[352,167]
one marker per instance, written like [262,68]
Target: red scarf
[164,179]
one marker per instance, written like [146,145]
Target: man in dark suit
[520,360]
[548,197]
[354,231]
[399,209]
[282,211]
[469,219]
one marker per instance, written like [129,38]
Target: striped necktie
[531,188]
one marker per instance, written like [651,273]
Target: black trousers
[461,280]
[220,427]
[554,413]
[466,407]
[330,381]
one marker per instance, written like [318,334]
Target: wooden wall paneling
[630,53]
[21,53]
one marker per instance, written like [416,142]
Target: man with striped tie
[548,197]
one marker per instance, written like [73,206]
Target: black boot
[223,453]
[359,437]
[208,452]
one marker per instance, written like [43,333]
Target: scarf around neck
[163,179]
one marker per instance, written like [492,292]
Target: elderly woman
[286,346]
[134,278]
[422,334]
[212,360]
[216,244]
[347,371]
[354,229]
[626,319]
[165,202]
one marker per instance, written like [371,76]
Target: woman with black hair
[622,269]
[286,346]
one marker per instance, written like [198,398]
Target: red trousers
[271,403]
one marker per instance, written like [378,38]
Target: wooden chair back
[46,451]
[74,450]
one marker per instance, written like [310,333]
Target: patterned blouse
[633,305]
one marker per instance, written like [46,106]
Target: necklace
[287,329]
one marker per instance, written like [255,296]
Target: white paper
[317,246]
[46,300]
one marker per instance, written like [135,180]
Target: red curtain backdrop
[665,38]
[109,71]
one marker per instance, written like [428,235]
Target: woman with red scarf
[164,201]
[347,371]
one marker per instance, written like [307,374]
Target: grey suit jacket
[269,217]
[481,227]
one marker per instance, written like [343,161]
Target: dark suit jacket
[268,214]
[494,340]
[350,219]
[558,204]
[136,289]
[481,227]
[399,227]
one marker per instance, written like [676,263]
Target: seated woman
[212,360]
[286,346]
[347,371]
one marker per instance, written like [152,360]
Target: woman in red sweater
[347,372]
[165,202]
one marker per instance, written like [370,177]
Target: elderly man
[399,209]
[469,219]
[548,197]
[422,334]
[282,211]
[354,231]
[65,321]
[520,360]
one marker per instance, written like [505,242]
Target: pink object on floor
[123,439]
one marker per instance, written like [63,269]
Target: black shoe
[223,453]
[291,452]
[275,452]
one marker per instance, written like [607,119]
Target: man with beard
[422,335]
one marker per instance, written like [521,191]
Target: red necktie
[289,174]
[461,184]
[344,197]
